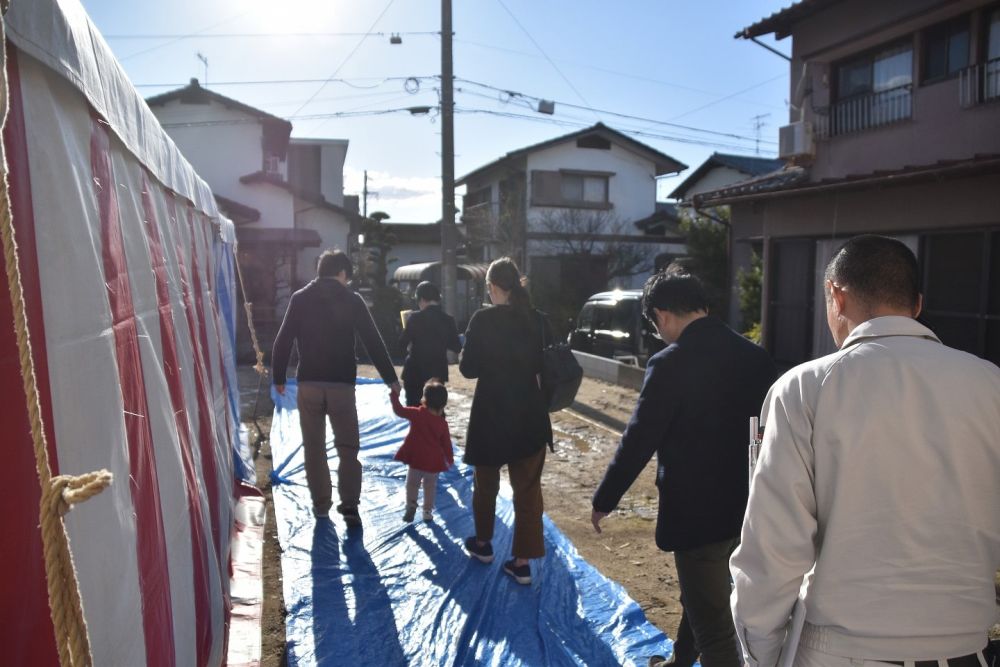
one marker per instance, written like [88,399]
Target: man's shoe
[482,553]
[411,511]
[520,573]
[657,661]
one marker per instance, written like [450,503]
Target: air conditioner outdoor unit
[796,140]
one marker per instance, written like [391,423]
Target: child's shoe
[410,512]
[428,515]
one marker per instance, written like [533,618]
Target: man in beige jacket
[878,482]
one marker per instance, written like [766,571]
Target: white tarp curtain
[128,270]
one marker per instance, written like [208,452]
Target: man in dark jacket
[428,335]
[323,318]
[693,412]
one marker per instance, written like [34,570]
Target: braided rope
[58,493]
[248,307]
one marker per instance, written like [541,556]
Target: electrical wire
[627,75]
[727,97]
[542,51]
[185,36]
[236,35]
[349,56]
[678,126]
[346,82]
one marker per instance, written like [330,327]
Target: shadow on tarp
[393,593]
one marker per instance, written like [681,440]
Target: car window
[586,317]
[624,315]
[603,317]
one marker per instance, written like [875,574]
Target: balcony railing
[979,83]
[866,112]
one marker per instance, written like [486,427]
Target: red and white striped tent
[127,269]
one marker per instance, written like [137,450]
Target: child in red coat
[427,447]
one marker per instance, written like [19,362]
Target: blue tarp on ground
[393,593]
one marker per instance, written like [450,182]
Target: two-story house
[894,129]
[285,195]
[566,209]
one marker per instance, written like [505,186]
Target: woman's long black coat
[510,418]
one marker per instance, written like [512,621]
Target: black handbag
[561,373]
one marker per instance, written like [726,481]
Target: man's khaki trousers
[317,403]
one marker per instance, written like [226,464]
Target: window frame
[870,56]
[950,29]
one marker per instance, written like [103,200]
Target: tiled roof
[781,22]
[243,212]
[665,163]
[747,164]
[795,180]
[666,217]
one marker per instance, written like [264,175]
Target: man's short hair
[332,262]
[673,290]
[428,291]
[435,394]
[878,270]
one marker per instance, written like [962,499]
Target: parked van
[611,325]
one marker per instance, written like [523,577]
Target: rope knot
[64,491]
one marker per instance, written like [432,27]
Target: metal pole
[449,269]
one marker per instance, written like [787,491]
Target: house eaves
[277,131]
[782,21]
[745,164]
[241,213]
[664,163]
[794,181]
[314,198]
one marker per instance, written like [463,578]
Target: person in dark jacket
[323,318]
[693,413]
[428,335]
[509,422]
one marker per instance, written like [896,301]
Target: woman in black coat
[509,423]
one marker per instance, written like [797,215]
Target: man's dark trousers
[707,622]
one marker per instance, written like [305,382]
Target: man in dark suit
[428,335]
[693,411]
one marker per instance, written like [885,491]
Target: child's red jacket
[427,446]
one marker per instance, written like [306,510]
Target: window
[872,90]
[570,189]
[992,70]
[962,290]
[946,49]
[580,188]
[876,72]
[594,141]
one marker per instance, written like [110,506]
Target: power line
[582,124]
[616,113]
[271,82]
[542,51]
[186,36]
[236,35]
[349,56]
[727,97]
[627,75]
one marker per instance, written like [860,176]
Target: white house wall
[332,228]
[716,178]
[631,191]
[220,153]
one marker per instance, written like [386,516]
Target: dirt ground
[585,441]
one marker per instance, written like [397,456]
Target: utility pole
[364,197]
[449,268]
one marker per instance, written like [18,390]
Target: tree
[749,286]
[708,251]
[374,259]
[596,233]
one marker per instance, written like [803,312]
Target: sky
[669,70]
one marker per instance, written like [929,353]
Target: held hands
[394,388]
[595,519]
[280,388]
